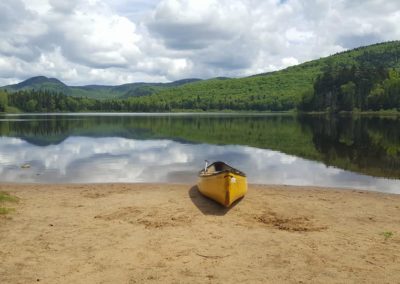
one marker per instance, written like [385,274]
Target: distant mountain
[40,83]
[95,91]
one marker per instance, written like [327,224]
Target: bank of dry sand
[135,233]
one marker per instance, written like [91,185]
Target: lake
[355,152]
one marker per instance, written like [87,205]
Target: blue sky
[121,41]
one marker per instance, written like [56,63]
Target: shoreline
[135,233]
[293,112]
[254,185]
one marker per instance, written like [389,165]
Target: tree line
[338,88]
[49,101]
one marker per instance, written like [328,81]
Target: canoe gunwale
[234,171]
[228,170]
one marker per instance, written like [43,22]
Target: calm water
[271,149]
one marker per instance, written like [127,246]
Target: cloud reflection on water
[92,160]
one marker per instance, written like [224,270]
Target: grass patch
[4,211]
[6,198]
[387,235]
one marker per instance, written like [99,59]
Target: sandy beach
[138,233]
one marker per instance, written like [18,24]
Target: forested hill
[313,85]
[42,83]
[280,90]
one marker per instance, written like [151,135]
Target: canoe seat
[218,167]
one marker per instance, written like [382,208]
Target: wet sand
[162,233]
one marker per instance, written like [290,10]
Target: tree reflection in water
[367,145]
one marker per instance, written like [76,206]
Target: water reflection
[82,159]
[368,145]
[272,149]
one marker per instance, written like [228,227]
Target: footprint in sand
[154,219]
[291,224]
[124,214]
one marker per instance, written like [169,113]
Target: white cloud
[289,61]
[112,42]
[99,41]
[197,24]
[294,36]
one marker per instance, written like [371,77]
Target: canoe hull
[225,187]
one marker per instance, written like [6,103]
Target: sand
[153,233]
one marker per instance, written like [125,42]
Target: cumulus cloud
[63,6]
[196,24]
[113,42]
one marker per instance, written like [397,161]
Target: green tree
[376,98]
[348,94]
[31,105]
[3,100]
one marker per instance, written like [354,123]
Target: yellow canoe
[222,183]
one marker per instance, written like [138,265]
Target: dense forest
[47,101]
[364,88]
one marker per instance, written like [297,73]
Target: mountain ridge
[94,91]
[277,90]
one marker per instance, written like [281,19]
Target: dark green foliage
[369,145]
[358,87]
[277,92]
[386,94]
[3,100]
[46,101]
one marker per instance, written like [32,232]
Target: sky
[113,42]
